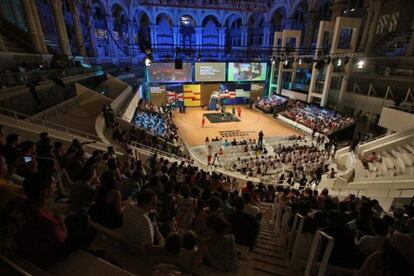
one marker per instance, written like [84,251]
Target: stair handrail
[313,253]
[46,123]
[157,151]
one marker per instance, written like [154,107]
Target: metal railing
[22,119]
[11,79]
[313,254]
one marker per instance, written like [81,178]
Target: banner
[192,93]
[210,71]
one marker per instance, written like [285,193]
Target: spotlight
[338,62]
[360,64]
[148,61]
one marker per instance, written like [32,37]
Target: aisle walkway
[268,256]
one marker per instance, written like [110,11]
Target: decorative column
[131,38]
[266,35]
[92,33]
[60,26]
[310,26]
[31,24]
[77,27]
[176,36]
[199,37]
[244,35]
[109,27]
[222,36]
[373,27]
[39,27]
[370,13]
[153,30]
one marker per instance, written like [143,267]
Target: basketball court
[251,122]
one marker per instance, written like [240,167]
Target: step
[269,252]
[270,261]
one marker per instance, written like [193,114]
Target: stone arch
[164,30]
[234,23]
[210,35]
[210,15]
[255,30]
[141,30]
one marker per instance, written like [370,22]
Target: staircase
[268,256]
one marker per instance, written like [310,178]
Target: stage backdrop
[206,91]
[192,95]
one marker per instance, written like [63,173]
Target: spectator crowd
[157,120]
[319,119]
[176,213]
[269,104]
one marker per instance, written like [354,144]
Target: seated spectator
[185,209]
[244,226]
[395,258]
[138,229]
[38,235]
[8,190]
[82,192]
[368,244]
[219,251]
[11,149]
[372,157]
[109,207]
[344,252]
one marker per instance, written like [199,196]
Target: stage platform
[251,122]
[218,117]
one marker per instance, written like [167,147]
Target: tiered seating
[322,120]
[392,162]
[272,104]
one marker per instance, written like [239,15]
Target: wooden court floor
[251,122]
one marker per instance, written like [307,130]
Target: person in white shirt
[249,208]
[137,227]
[369,244]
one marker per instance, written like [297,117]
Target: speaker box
[178,64]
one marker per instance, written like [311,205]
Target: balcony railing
[11,79]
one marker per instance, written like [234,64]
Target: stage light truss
[210,53]
[229,5]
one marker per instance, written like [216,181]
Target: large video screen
[166,72]
[247,71]
[210,71]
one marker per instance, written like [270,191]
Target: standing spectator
[260,140]
[244,226]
